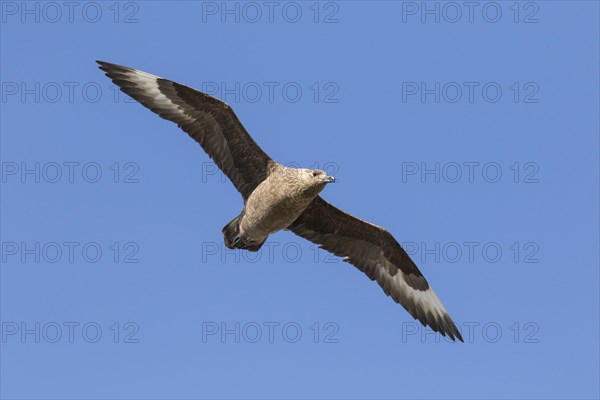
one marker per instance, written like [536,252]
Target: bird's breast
[270,208]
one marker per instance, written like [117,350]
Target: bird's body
[277,202]
[277,197]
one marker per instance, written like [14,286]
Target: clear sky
[469,131]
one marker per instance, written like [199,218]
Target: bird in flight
[278,197]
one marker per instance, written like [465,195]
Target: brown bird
[277,197]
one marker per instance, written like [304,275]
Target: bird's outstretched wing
[209,121]
[374,251]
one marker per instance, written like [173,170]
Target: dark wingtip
[104,66]
[452,329]
[107,67]
[458,335]
[445,327]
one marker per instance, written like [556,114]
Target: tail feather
[233,240]
[230,232]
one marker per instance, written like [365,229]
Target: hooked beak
[329,179]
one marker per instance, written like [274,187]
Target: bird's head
[315,180]
[316,177]
[308,182]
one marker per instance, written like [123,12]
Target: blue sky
[470,132]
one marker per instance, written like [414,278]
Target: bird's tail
[230,232]
[233,240]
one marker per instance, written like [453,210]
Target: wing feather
[374,251]
[209,121]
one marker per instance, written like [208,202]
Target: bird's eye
[315,173]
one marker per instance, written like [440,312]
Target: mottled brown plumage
[277,202]
[276,197]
